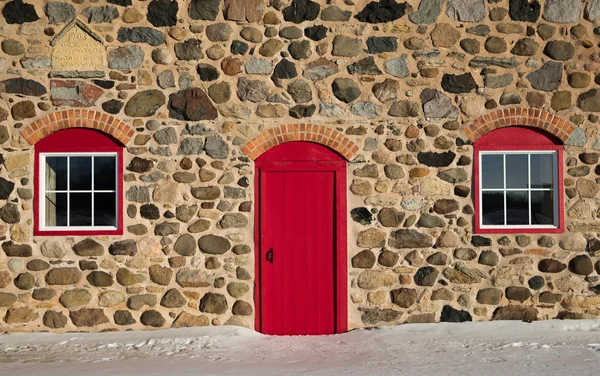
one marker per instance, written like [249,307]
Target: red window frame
[77,140]
[510,139]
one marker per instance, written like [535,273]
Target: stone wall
[197,80]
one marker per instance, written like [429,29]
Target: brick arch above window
[77,118]
[523,116]
[301,132]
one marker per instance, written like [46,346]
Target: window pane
[81,209]
[542,208]
[56,173]
[516,171]
[104,173]
[517,208]
[105,209]
[56,209]
[542,170]
[492,171]
[493,208]
[80,173]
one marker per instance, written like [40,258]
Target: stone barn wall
[195,82]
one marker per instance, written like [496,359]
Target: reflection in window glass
[56,173]
[517,208]
[56,209]
[493,208]
[517,171]
[80,172]
[105,209]
[542,167]
[542,208]
[104,173]
[492,171]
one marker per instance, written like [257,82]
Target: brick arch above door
[523,116]
[320,134]
[77,118]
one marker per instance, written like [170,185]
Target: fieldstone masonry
[196,90]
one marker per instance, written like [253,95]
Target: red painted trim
[298,156]
[77,140]
[518,138]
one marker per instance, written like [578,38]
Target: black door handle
[270,255]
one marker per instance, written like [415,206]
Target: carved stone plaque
[78,48]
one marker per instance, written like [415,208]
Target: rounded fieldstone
[214,244]
[551,266]
[536,282]
[25,281]
[173,299]
[495,45]
[489,258]
[489,296]
[12,47]
[123,317]
[579,80]
[581,265]
[100,279]
[426,276]
[43,294]
[345,89]
[559,50]
[242,308]
[54,320]
[75,298]
[365,259]
[520,294]
[152,318]
[213,303]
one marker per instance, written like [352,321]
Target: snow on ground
[492,348]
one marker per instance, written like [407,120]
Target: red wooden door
[301,256]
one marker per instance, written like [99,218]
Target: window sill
[483,231]
[117,232]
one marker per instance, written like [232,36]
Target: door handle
[270,255]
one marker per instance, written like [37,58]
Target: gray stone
[36,62]
[190,146]
[215,147]
[466,10]
[364,109]
[592,11]
[335,13]
[191,49]
[100,14]
[345,89]
[559,50]
[213,303]
[152,318]
[300,90]
[330,110]
[548,77]
[258,66]
[397,66]
[428,12]
[219,32]
[173,299]
[204,9]
[502,62]
[562,11]
[165,79]
[496,82]
[364,66]
[59,12]
[214,244]
[320,69]
[437,105]
[127,57]
[252,90]
[147,35]
[577,138]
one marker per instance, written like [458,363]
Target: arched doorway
[301,255]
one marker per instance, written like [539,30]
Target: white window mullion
[504,185]
[529,186]
[68,191]
[92,191]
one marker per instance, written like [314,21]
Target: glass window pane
[56,173]
[517,208]
[80,173]
[56,209]
[492,171]
[493,208]
[105,209]
[542,208]
[104,173]
[542,170]
[516,171]
[81,209]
